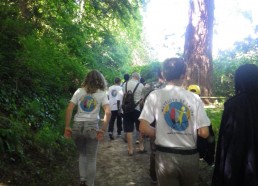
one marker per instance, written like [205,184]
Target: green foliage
[46,49]
[12,136]
[150,72]
[215,115]
[227,63]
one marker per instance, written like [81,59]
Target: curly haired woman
[85,131]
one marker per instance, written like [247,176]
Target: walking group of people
[173,118]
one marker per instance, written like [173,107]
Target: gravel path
[116,168]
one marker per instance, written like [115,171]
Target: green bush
[215,115]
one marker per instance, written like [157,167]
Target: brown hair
[93,81]
[173,68]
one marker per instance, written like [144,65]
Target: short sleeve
[75,97]
[105,99]
[119,96]
[148,109]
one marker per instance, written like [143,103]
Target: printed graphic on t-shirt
[88,103]
[114,93]
[176,115]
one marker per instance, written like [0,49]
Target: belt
[176,151]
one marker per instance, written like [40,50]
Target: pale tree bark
[198,45]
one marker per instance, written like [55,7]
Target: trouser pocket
[84,129]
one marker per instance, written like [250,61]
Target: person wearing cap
[178,114]
[195,89]
[205,146]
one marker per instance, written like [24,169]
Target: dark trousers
[115,116]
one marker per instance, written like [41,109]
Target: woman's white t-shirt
[88,104]
[178,113]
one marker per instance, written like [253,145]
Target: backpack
[128,104]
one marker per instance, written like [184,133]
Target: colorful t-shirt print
[176,115]
[114,93]
[88,103]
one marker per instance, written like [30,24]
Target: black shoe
[153,178]
[111,137]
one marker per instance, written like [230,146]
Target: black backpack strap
[134,92]
[135,88]
[125,86]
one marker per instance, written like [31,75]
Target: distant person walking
[236,162]
[126,78]
[112,94]
[131,118]
[120,112]
[85,131]
[178,114]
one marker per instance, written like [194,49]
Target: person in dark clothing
[237,150]
[126,78]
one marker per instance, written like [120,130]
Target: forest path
[116,168]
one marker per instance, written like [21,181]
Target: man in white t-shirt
[112,94]
[178,114]
[130,119]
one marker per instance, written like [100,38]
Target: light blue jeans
[84,135]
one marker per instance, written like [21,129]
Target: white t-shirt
[178,113]
[138,93]
[88,104]
[112,94]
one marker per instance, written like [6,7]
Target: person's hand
[100,134]
[68,132]
[120,113]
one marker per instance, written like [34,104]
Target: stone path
[116,168]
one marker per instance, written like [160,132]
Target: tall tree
[198,44]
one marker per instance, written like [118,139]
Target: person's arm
[146,129]
[68,116]
[105,120]
[203,132]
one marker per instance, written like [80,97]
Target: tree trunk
[198,45]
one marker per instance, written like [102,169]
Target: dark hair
[173,68]
[142,80]
[246,78]
[117,80]
[93,81]
[126,77]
